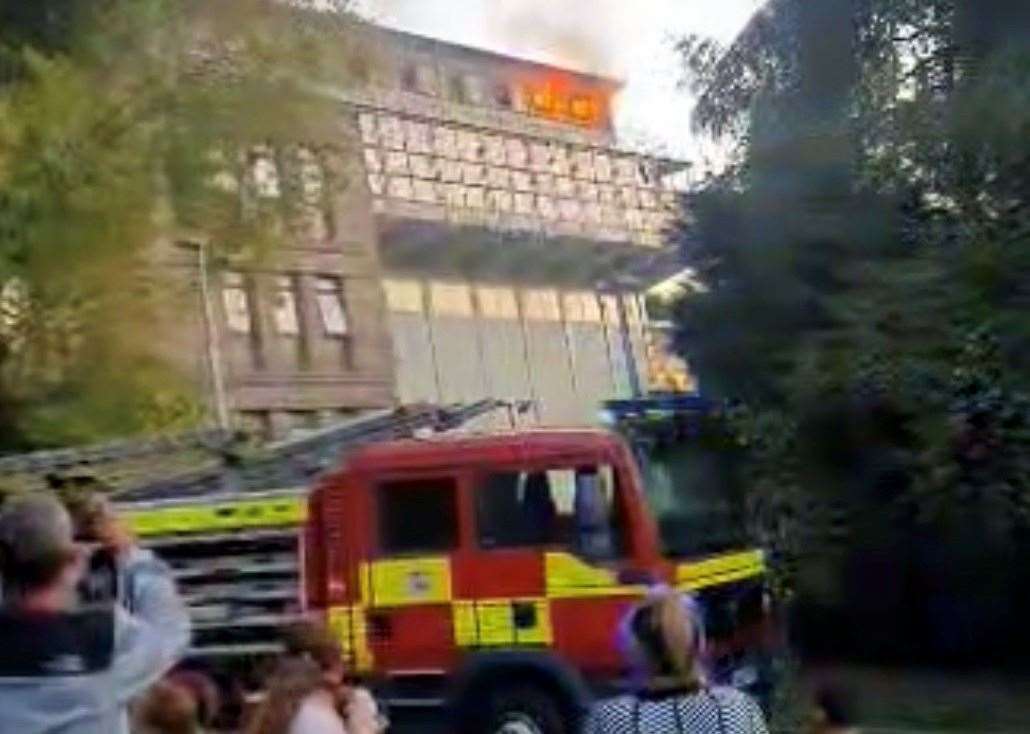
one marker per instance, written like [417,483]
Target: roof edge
[414,39]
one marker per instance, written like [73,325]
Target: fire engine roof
[497,447]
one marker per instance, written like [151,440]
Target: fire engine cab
[489,573]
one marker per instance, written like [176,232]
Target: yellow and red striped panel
[573,590]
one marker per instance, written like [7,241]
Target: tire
[521,709]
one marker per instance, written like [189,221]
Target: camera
[88,507]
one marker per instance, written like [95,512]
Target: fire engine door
[407,585]
[567,519]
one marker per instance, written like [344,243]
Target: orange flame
[559,97]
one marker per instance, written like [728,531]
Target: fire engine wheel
[524,710]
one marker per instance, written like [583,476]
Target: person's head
[203,691]
[167,708]
[317,643]
[294,679]
[663,638]
[832,711]
[88,510]
[39,560]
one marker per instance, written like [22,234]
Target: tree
[867,268]
[126,125]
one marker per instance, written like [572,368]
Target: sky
[628,39]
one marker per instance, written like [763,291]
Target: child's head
[167,708]
[832,710]
[204,692]
[317,643]
[664,639]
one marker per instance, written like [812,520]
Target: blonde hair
[670,639]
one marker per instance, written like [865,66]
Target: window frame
[239,283]
[377,490]
[338,290]
[287,284]
[620,517]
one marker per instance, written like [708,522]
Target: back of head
[204,692]
[667,640]
[167,708]
[36,542]
[87,510]
[834,709]
[315,642]
[294,679]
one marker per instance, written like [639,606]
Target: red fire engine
[490,573]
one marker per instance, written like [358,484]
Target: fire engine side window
[418,516]
[572,507]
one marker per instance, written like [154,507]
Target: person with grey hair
[66,666]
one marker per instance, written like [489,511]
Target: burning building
[494,241]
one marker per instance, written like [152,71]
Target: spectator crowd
[92,629]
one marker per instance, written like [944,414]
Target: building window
[420,78]
[573,508]
[584,110]
[236,299]
[418,516]
[468,89]
[329,295]
[456,88]
[256,424]
[301,421]
[311,174]
[264,173]
[503,96]
[409,78]
[284,308]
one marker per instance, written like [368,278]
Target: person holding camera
[69,662]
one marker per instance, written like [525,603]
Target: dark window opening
[457,88]
[503,96]
[409,78]
[418,516]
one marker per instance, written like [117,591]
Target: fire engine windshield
[696,509]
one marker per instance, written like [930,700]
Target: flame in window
[560,98]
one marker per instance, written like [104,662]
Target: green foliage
[868,274]
[125,127]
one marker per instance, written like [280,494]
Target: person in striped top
[663,639]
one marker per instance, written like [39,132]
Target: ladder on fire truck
[232,533]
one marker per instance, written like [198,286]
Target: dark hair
[837,706]
[294,680]
[315,642]
[35,543]
[204,692]
[21,576]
